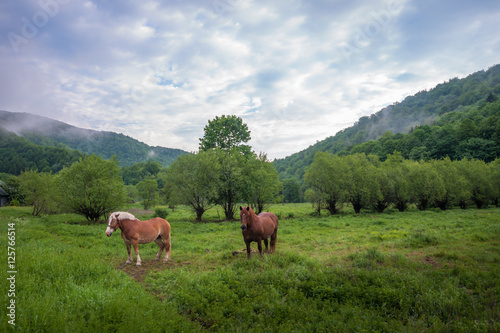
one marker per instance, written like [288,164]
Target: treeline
[363,181]
[94,187]
[460,98]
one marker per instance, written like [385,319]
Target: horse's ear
[248,208]
[241,208]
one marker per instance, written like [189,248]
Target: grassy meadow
[417,271]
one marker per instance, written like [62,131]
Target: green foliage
[231,180]
[39,190]
[14,203]
[261,182]
[148,191]
[326,176]
[193,180]
[17,154]
[91,187]
[161,212]
[292,191]
[364,182]
[226,133]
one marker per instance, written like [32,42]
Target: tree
[427,186]
[491,98]
[226,133]
[193,180]
[398,189]
[456,186]
[38,190]
[262,184]
[92,187]
[230,180]
[478,174]
[495,177]
[292,190]
[326,176]
[361,187]
[148,191]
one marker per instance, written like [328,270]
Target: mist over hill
[52,133]
[445,105]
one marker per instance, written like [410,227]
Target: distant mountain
[52,133]
[449,101]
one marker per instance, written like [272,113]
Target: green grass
[415,271]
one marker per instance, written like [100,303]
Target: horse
[256,228]
[135,232]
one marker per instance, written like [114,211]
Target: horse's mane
[123,216]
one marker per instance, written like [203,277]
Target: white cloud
[295,71]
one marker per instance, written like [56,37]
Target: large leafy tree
[396,189]
[231,185]
[426,184]
[92,187]
[262,183]
[479,175]
[193,180]
[326,176]
[226,133]
[362,182]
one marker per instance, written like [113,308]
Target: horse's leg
[129,260]
[248,249]
[160,243]
[167,248]
[136,250]
[259,242]
[265,243]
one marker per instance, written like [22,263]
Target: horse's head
[112,224]
[245,214]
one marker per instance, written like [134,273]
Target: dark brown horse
[135,232]
[256,228]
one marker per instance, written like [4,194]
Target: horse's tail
[274,236]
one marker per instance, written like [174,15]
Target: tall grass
[413,271]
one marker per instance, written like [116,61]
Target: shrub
[15,203]
[161,212]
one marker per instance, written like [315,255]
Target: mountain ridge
[48,132]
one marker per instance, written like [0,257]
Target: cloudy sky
[295,71]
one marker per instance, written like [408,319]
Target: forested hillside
[17,154]
[447,106]
[50,133]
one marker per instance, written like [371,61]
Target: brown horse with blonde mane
[256,228]
[135,232]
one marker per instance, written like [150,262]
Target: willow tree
[326,176]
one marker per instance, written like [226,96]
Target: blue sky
[295,71]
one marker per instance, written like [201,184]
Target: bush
[14,203]
[161,212]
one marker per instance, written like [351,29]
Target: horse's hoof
[165,260]
[137,265]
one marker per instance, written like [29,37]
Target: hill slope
[425,107]
[51,133]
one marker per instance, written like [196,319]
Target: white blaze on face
[109,230]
